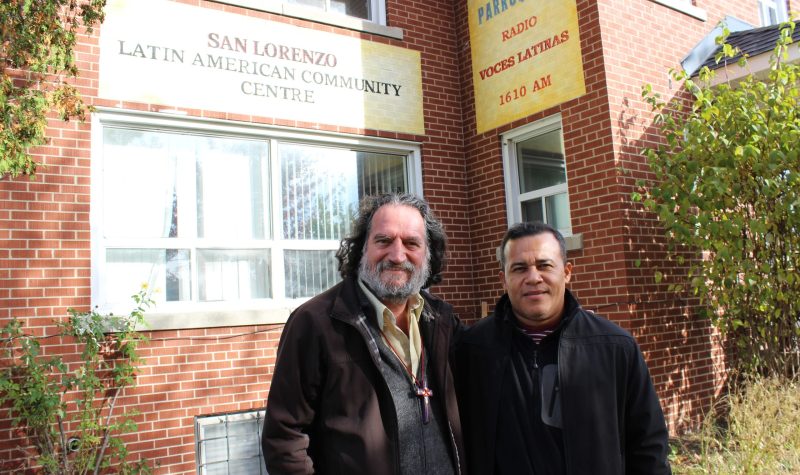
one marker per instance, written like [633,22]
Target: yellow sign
[526,57]
[236,64]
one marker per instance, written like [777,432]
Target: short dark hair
[351,248]
[521,230]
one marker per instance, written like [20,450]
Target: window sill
[684,6]
[574,242]
[319,16]
[213,318]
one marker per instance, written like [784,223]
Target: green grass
[755,430]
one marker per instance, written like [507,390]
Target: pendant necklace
[421,387]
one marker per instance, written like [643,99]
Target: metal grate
[229,444]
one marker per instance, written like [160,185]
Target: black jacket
[329,410]
[612,419]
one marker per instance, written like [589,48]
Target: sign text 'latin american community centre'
[228,62]
[526,57]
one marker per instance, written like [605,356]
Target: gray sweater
[423,447]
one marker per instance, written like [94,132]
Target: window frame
[686,7]
[196,314]
[375,26]
[511,172]
[780,8]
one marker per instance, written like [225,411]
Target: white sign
[161,52]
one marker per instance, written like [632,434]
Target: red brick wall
[429,28]
[683,352]
[625,45]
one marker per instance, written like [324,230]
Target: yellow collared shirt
[407,347]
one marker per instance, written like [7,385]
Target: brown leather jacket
[329,409]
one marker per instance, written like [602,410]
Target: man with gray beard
[362,380]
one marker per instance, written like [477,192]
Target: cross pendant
[425,394]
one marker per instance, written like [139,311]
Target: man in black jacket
[546,387]
[362,381]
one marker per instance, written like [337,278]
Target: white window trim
[541,193]
[686,7]
[511,171]
[780,11]
[219,314]
[377,27]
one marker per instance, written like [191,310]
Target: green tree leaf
[727,187]
[37,63]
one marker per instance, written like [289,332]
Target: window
[772,12]
[219,218]
[686,7]
[361,15]
[229,444]
[356,8]
[536,175]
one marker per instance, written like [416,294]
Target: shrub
[727,184]
[67,411]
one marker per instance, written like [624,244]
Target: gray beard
[390,291]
